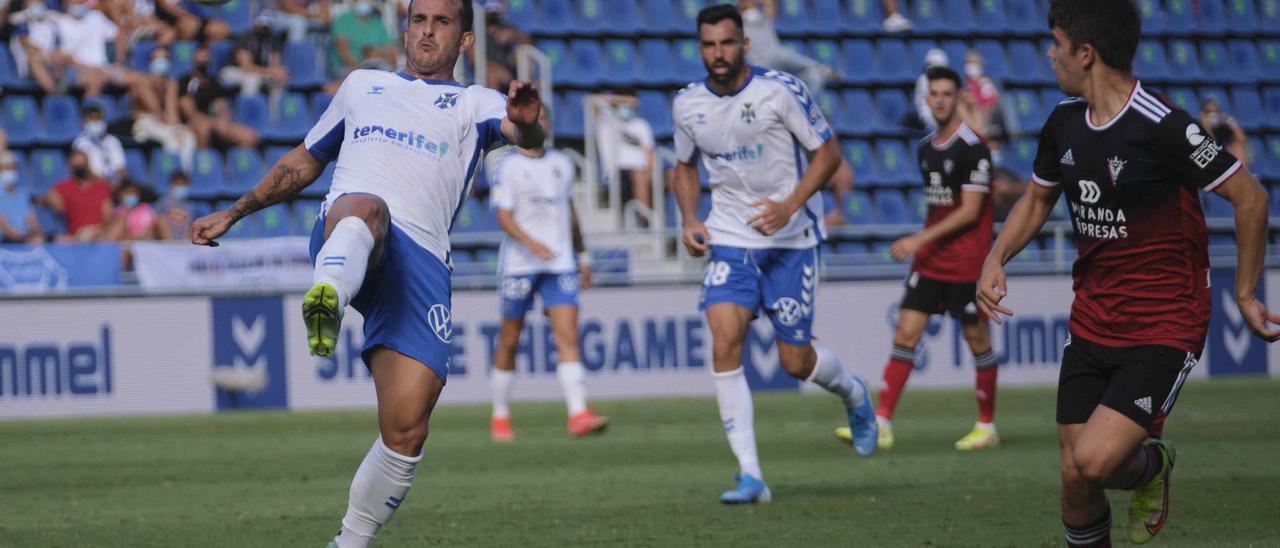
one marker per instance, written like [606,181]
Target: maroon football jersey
[961,163]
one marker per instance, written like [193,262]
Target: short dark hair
[468,14]
[717,13]
[943,73]
[1113,27]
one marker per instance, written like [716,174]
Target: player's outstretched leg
[1108,452]
[355,227]
[983,435]
[729,324]
[820,366]
[407,392]
[564,324]
[502,377]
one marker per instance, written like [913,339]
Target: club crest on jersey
[376,90]
[1114,167]
[447,100]
[748,115]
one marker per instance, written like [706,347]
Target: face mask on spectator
[9,180]
[364,9]
[160,66]
[81,172]
[626,112]
[973,70]
[36,12]
[180,192]
[130,201]
[1214,119]
[96,128]
[78,11]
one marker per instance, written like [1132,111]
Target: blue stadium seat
[920,48]
[294,120]
[1025,18]
[1184,98]
[1272,152]
[659,65]
[140,55]
[927,16]
[1183,61]
[830,104]
[558,54]
[955,50]
[917,208]
[273,154]
[1217,94]
[180,54]
[1026,108]
[111,110]
[470,217]
[525,15]
[893,106]
[305,214]
[862,160]
[135,162]
[1271,106]
[1020,156]
[164,164]
[319,103]
[244,169]
[991,17]
[958,16]
[890,68]
[688,64]
[857,208]
[588,15]
[9,72]
[274,221]
[1027,64]
[655,107]
[51,223]
[793,18]
[660,17]
[891,207]
[1213,62]
[687,15]
[1049,99]
[1247,108]
[48,167]
[895,164]
[220,54]
[1241,16]
[61,120]
[1152,17]
[207,177]
[1269,60]
[863,17]
[21,120]
[857,62]
[1256,155]
[1178,17]
[1216,206]
[825,52]
[623,15]
[830,15]
[859,113]
[1269,15]
[588,62]
[994,61]
[1212,17]
[300,60]
[1031,253]
[621,63]
[570,117]
[1243,60]
[235,13]
[1150,63]
[320,187]
[251,110]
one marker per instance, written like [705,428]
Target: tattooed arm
[292,173]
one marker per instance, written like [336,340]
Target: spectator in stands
[767,49]
[257,60]
[202,101]
[160,120]
[1006,188]
[503,40]
[137,20]
[84,36]
[981,97]
[360,40]
[135,219]
[36,29]
[176,206]
[626,145]
[83,199]
[295,18]
[105,152]
[934,58]
[18,223]
[894,21]
[1224,129]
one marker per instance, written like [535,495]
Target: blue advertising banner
[1233,350]
[248,353]
[56,267]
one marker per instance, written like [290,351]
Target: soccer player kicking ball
[956,165]
[406,144]
[1130,164]
[748,125]
[532,199]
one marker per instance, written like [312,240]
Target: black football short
[935,297]
[1140,382]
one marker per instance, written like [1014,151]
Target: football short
[1139,382]
[778,282]
[935,297]
[517,292]
[406,301]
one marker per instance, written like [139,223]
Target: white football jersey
[753,144]
[537,191]
[414,143]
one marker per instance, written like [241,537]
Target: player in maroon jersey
[956,166]
[1130,164]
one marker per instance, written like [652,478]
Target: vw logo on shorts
[568,283]
[441,322]
[516,288]
[787,310]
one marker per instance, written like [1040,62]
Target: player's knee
[369,208]
[797,362]
[1091,467]
[725,347]
[407,438]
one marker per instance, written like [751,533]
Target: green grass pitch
[281,479]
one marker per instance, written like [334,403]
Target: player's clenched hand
[771,217]
[905,247]
[523,103]
[584,276]
[991,290]
[1256,317]
[541,251]
[696,238]
[209,228]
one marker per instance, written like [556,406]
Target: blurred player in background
[747,124]
[1130,164]
[543,254]
[956,165]
[406,145]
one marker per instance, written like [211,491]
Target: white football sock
[380,485]
[829,374]
[344,258]
[734,397]
[502,392]
[573,381]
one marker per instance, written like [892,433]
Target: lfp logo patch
[248,353]
[1233,350]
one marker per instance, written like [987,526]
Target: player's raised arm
[292,173]
[521,127]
